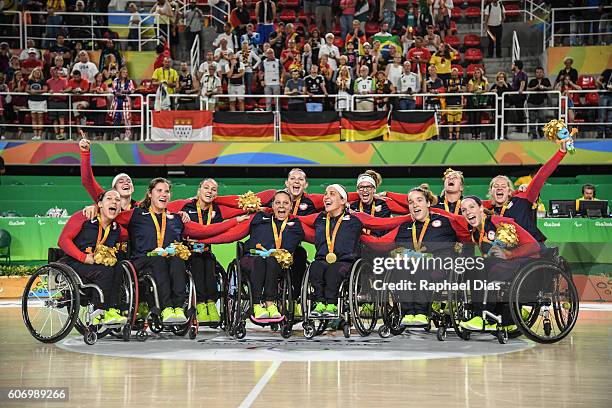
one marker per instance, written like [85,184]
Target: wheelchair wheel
[551,293]
[391,312]
[458,306]
[286,302]
[239,300]
[50,303]
[361,295]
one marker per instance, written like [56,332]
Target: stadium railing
[9,30]
[552,103]
[590,114]
[578,30]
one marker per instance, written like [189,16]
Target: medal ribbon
[102,239]
[332,241]
[417,244]
[278,238]
[208,218]
[160,233]
[457,206]
[296,206]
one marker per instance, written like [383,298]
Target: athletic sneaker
[202,313]
[96,320]
[420,320]
[112,316]
[367,310]
[179,315]
[260,312]
[213,314]
[168,315]
[273,311]
[511,328]
[437,307]
[407,320]
[475,323]
[297,309]
[143,310]
[331,310]
[525,313]
[318,310]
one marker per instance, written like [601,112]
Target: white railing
[6,28]
[506,98]
[572,28]
[516,47]
[148,30]
[224,15]
[588,112]
[73,118]
[194,56]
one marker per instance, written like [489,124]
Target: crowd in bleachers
[306,50]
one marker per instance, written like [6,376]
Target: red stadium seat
[472,12]
[453,27]
[252,16]
[458,3]
[457,58]
[336,30]
[472,55]
[302,16]
[453,41]
[401,13]
[474,2]
[339,42]
[591,99]
[290,3]
[288,16]
[471,41]
[512,10]
[456,14]
[371,28]
[586,82]
[403,4]
[459,68]
[472,67]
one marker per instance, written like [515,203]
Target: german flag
[243,126]
[364,125]
[413,126]
[233,19]
[310,127]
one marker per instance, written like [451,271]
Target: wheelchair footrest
[268,320]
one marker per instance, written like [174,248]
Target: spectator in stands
[31,63]
[368,59]
[425,17]
[60,65]
[250,37]
[383,86]
[364,85]
[14,66]
[292,34]
[163,16]
[16,109]
[187,85]
[314,85]
[494,17]
[273,72]
[442,60]
[324,11]
[347,17]
[121,107]
[332,52]
[4,89]
[343,87]
[308,59]
[604,83]
[342,62]
[388,9]
[61,48]
[315,42]
[500,87]
[454,114]
[591,17]
[110,72]
[566,86]
[432,40]
[25,53]
[568,70]
[362,12]
[109,49]
[194,19]
[295,86]
[291,58]
[227,35]
[133,25]
[203,68]
[78,85]
[37,103]
[477,86]
[407,40]
[519,83]
[251,62]
[86,68]
[433,85]
[236,83]
[77,22]
[166,76]
[419,56]
[394,70]
[409,83]
[222,59]
[211,87]
[5,57]
[352,58]
[356,36]
[446,11]
[162,52]
[384,30]
[328,74]
[536,101]
[54,21]
[265,13]
[240,19]
[58,105]
[277,39]
[99,105]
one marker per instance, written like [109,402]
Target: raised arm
[87,177]
[69,233]
[534,188]
[197,231]
[232,234]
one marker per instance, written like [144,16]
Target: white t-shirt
[210,83]
[409,81]
[88,70]
[332,52]
[134,19]
[271,72]
[228,37]
[495,14]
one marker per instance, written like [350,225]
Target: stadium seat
[459,68]
[453,41]
[371,28]
[512,10]
[290,3]
[458,3]
[471,41]
[591,99]
[339,42]
[586,82]
[472,12]
[252,16]
[472,67]
[456,14]
[403,4]
[472,55]
[302,17]
[401,13]
[336,30]
[453,27]
[474,2]
[287,16]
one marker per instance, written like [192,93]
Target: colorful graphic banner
[587,60]
[181,126]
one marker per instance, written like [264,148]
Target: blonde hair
[375,175]
[298,170]
[37,69]
[429,196]
[510,184]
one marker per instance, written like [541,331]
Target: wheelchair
[354,293]
[56,292]
[542,296]
[239,301]
[152,321]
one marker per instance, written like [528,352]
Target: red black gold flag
[413,126]
[364,125]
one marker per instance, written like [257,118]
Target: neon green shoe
[96,320]
[297,309]
[525,313]
[331,310]
[475,323]
[273,311]
[213,314]
[318,310]
[168,315]
[420,320]
[202,313]
[179,315]
[407,320]
[112,316]
[260,312]
[143,310]
[510,328]
[367,310]
[437,307]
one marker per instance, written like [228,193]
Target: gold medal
[331,258]
[331,241]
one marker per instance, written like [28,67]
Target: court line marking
[248,401]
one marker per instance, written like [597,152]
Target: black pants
[497,32]
[203,268]
[264,275]
[108,278]
[169,275]
[415,301]
[326,279]
[297,271]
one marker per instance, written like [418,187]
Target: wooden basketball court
[573,372]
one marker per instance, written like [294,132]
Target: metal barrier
[509,98]
[149,31]
[573,28]
[194,55]
[72,113]
[10,30]
[516,47]
[588,115]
